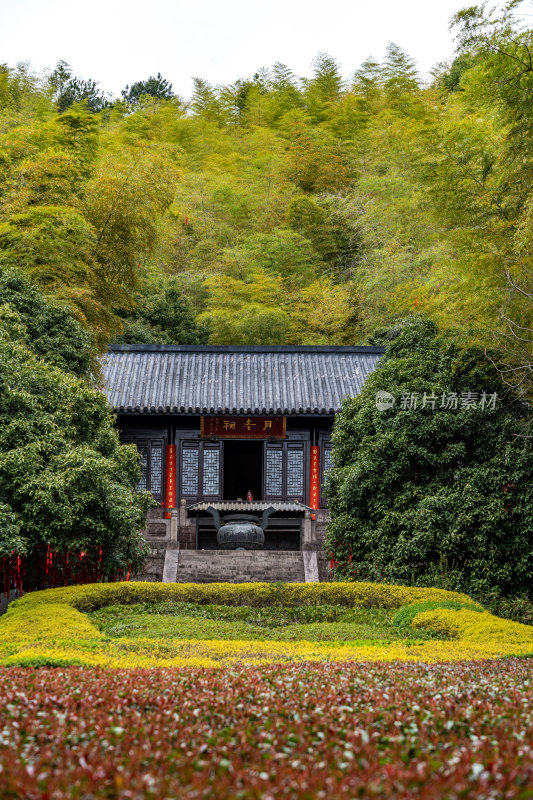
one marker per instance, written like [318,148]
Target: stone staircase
[173,564]
[242,566]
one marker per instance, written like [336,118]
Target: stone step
[211,566]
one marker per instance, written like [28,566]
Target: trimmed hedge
[49,627]
[45,622]
[475,626]
[406,614]
[93,596]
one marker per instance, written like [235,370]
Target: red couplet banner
[314,478]
[170,483]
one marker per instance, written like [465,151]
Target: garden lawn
[279,623]
[304,731]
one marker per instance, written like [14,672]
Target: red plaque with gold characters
[314,478]
[170,487]
[243,427]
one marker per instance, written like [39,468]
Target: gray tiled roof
[284,380]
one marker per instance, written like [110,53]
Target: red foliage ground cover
[462,730]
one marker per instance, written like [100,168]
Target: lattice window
[189,471]
[274,472]
[328,463]
[143,482]
[156,471]
[295,473]
[211,480]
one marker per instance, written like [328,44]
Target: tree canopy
[66,483]
[437,486]
[375,191]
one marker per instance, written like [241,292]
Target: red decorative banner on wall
[243,427]
[314,478]
[170,483]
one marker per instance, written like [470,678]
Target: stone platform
[172,535]
[175,565]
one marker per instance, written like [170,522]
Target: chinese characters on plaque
[314,478]
[243,427]
[170,482]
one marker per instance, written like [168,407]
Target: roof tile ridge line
[302,379]
[298,381]
[194,381]
[270,383]
[191,348]
[255,400]
[200,376]
[175,377]
[241,392]
[234,384]
[328,383]
[156,372]
[213,400]
[128,378]
[110,379]
[315,393]
[108,368]
[343,376]
[283,383]
[132,372]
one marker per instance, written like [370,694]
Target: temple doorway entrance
[243,470]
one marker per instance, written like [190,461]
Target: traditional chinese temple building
[238,429]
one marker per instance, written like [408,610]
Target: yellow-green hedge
[49,627]
[474,626]
[48,621]
[92,596]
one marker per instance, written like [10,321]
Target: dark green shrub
[427,496]
[406,614]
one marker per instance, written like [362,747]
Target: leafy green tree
[324,313]
[368,79]
[65,480]
[416,492]
[20,90]
[124,202]
[315,160]
[70,89]
[163,316]
[285,91]
[280,252]
[206,103]
[400,78]
[52,244]
[449,76]
[76,133]
[324,88]
[157,87]
[48,178]
[246,311]
[472,155]
[50,329]
[320,222]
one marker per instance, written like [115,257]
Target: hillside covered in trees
[278,209]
